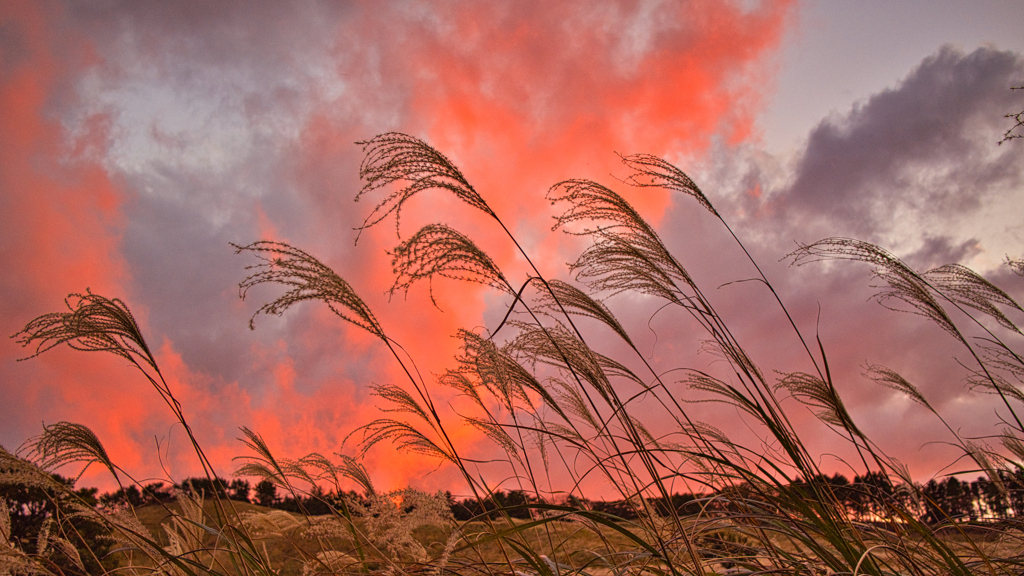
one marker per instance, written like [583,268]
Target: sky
[138,141]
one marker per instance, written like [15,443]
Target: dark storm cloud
[928,144]
[915,168]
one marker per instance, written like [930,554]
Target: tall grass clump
[564,417]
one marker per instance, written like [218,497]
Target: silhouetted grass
[558,409]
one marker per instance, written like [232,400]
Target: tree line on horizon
[948,499]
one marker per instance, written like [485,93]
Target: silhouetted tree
[152,493]
[124,497]
[239,490]
[1014,482]
[871,494]
[957,500]
[266,493]
[218,487]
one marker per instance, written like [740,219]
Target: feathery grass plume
[626,254]
[440,250]
[499,373]
[612,367]
[18,471]
[463,384]
[818,394]
[966,287]
[404,436]
[559,347]
[592,202]
[1016,265]
[915,290]
[725,393]
[93,323]
[399,158]
[732,353]
[576,301]
[905,284]
[60,516]
[705,432]
[309,279]
[263,465]
[649,171]
[50,542]
[902,471]
[1013,444]
[309,468]
[391,518]
[994,384]
[354,470]
[67,550]
[66,443]
[890,379]
[615,264]
[14,560]
[132,534]
[5,523]
[553,432]
[1001,356]
[43,538]
[400,401]
[331,563]
[645,434]
[316,467]
[497,434]
[280,471]
[983,456]
[186,530]
[572,402]
[272,523]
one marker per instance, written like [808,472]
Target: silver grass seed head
[576,301]
[890,379]
[815,393]
[627,253]
[720,391]
[396,158]
[308,279]
[93,323]
[68,443]
[438,250]
[968,288]
[905,285]
[1016,265]
[649,171]
[399,401]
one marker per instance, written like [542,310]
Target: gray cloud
[915,168]
[927,145]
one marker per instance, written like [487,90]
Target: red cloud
[521,96]
[59,232]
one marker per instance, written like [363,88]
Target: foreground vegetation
[557,409]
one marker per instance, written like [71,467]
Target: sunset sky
[139,139]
